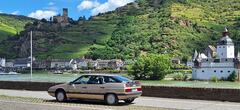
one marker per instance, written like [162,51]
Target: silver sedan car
[110,88]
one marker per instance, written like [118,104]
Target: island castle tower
[222,66]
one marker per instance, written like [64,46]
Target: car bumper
[129,95]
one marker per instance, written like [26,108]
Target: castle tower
[225,46]
[65,12]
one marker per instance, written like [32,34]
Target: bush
[115,71]
[178,76]
[150,67]
[232,77]
[214,79]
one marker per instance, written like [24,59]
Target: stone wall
[232,95]
[22,85]
[150,91]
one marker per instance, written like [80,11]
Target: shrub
[150,67]
[185,77]
[232,77]
[115,71]
[214,79]
[178,76]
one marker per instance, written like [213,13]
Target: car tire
[61,96]
[111,99]
[130,100]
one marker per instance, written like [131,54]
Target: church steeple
[225,33]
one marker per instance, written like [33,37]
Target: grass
[78,39]
[11,24]
[196,84]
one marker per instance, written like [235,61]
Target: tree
[44,20]
[232,77]
[151,67]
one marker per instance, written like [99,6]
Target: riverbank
[67,77]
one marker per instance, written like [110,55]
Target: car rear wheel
[111,99]
[61,96]
[130,100]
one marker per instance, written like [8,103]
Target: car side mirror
[70,83]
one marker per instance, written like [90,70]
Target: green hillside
[51,40]
[12,24]
[175,27]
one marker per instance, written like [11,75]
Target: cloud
[15,13]
[52,8]
[39,14]
[51,3]
[1,11]
[88,4]
[110,5]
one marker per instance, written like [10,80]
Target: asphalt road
[184,104]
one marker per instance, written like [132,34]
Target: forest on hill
[175,27]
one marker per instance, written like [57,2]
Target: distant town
[62,64]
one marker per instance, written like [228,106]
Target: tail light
[139,89]
[128,90]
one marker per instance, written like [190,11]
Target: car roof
[100,74]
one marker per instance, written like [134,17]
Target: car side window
[94,80]
[83,80]
[108,79]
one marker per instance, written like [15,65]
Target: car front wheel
[61,96]
[129,100]
[111,99]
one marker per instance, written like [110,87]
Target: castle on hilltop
[221,65]
[62,19]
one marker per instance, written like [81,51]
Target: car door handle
[102,87]
[84,87]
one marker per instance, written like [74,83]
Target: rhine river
[40,77]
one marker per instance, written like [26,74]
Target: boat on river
[9,73]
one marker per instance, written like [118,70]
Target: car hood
[54,88]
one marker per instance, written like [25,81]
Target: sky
[47,8]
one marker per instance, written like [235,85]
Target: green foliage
[179,66]
[175,27]
[180,76]
[12,24]
[232,77]
[214,79]
[151,67]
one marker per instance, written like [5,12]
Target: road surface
[185,104]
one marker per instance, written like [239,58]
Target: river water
[44,77]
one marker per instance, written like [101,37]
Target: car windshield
[122,79]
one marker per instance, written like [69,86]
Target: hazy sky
[46,8]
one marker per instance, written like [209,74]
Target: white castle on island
[220,63]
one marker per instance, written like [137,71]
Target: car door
[78,88]
[96,88]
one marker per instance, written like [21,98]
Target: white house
[2,62]
[221,66]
